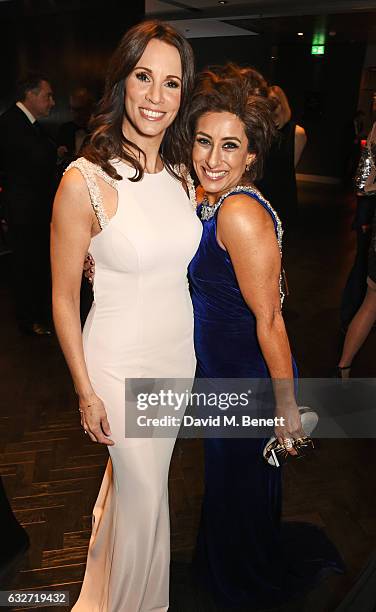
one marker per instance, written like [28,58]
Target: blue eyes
[145,78]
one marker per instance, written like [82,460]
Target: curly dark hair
[256,83]
[228,90]
[107,141]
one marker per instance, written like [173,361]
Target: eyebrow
[225,138]
[169,76]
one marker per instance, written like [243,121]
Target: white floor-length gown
[140,326]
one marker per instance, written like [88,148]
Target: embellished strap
[182,171]
[208,211]
[88,171]
[191,190]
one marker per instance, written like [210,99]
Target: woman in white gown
[143,234]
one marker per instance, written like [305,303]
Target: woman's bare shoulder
[72,196]
[241,207]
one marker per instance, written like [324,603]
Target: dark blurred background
[71,41]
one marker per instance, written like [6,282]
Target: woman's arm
[300,143]
[247,232]
[71,230]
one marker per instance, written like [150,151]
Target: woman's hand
[291,429]
[94,420]
[89,268]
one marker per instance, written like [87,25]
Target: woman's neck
[213,198]
[149,145]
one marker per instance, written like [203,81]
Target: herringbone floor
[52,472]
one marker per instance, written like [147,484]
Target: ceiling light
[222,2]
[300,33]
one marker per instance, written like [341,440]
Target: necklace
[208,210]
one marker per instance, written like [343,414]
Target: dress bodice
[142,306]
[225,328]
[215,291]
[153,233]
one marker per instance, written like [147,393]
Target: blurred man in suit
[28,161]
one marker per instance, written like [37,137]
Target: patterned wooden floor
[52,472]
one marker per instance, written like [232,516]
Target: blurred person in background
[278,184]
[352,136]
[72,134]
[364,319]
[356,285]
[363,274]
[4,246]
[28,163]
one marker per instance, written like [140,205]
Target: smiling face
[153,92]
[220,153]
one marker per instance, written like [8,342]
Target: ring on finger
[287,443]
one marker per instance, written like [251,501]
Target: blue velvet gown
[244,555]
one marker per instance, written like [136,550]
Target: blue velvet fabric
[244,555]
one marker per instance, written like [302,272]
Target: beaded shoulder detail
[207,212]
[182,171]
[88,171]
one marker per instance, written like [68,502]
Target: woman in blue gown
[244,555]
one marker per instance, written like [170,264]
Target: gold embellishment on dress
[89,170]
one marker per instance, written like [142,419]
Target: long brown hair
[108,141]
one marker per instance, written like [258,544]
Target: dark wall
[253,50]
[71,47]
[323,91]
